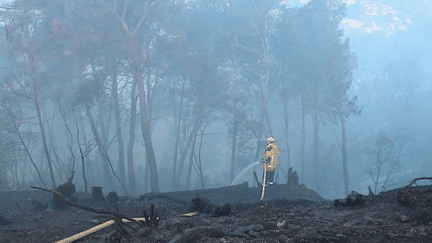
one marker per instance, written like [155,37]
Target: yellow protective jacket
[271,152]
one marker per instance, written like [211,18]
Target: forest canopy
[91,84]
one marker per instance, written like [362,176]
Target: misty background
[140,96]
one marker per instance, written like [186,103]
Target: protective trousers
[269,177]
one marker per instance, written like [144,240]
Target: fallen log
[353,199]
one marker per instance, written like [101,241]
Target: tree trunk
[178,124]
[234,132]
[316,144]
[145,130]
[149,101]
[16,127]
[303,148]
[344,153]
[103,138]
[269,123]
[44,141]
[265,93]
[286,119]
[131,142]
[82,155]
[189,174]
[233,147]
[101,147]
[378,172]
[146,178]
[91,177]
[193,133]
[120,144]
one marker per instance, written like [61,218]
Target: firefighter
[270,160]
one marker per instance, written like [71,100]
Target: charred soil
[400,215]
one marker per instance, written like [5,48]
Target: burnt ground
[288,214]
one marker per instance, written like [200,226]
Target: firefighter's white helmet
[270,140]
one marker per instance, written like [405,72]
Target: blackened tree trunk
[44,141]
[178,125]
[193,133]
[192,153]
[82,152]
[286,119]
[303,147]
[316,145]
[233,147]
[266,89]
[234,131]
[91,178]
[41,127]
[344,153]
[131,142]
[120,144]
[145,130]
[137,51]
[104,134]
[101,147]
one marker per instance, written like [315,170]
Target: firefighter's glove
[268,159]
[262,160]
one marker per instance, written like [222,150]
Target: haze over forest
[147,96]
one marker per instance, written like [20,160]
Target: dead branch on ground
[117,215]
[418,179]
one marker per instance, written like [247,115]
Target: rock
[404,218]
[280,225]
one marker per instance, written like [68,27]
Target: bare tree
[387,156]
[23,53]
[16,119]
[139,55]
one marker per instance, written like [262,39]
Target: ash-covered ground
[287,214]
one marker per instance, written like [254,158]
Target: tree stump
[112,197]
[97,193]
[202,205]
[292,178]
[66,190]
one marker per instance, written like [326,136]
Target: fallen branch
[92,230]
[418,179]
[95,210]
[119,217]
